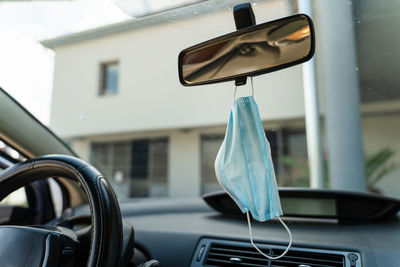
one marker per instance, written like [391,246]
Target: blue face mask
[244,166]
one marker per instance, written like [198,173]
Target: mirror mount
[241,81]
[244,17]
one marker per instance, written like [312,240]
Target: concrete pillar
[336,48]
[312,113]
[184,179]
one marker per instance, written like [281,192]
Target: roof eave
[204,7]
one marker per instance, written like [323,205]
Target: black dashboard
[187,232]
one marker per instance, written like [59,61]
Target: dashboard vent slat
[222,255]
[308,258]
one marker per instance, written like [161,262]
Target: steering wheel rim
[106,240]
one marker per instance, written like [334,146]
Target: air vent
[304,258]
[222,254]
[226,255]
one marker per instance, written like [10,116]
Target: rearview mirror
[248,52]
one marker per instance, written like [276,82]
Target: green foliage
[377,166]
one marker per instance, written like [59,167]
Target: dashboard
[187,232]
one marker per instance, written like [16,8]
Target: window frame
[102,77]
[148,179]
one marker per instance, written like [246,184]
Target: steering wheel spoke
[38,246]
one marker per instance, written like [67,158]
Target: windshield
[107,84]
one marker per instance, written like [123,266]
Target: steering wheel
[59,246]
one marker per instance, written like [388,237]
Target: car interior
[71,214]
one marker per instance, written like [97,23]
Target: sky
[26,67]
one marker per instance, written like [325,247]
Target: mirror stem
[244,17]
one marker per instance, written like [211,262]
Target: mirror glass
[249,52]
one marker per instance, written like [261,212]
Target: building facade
[118,102]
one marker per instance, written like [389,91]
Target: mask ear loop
[262,253]
[252,89]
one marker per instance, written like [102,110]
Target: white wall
[184,174]
[150,95]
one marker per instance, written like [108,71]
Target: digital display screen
[313,207]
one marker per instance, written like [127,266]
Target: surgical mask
[244,167]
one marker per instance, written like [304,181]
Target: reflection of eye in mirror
[246,49]
[249,52]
